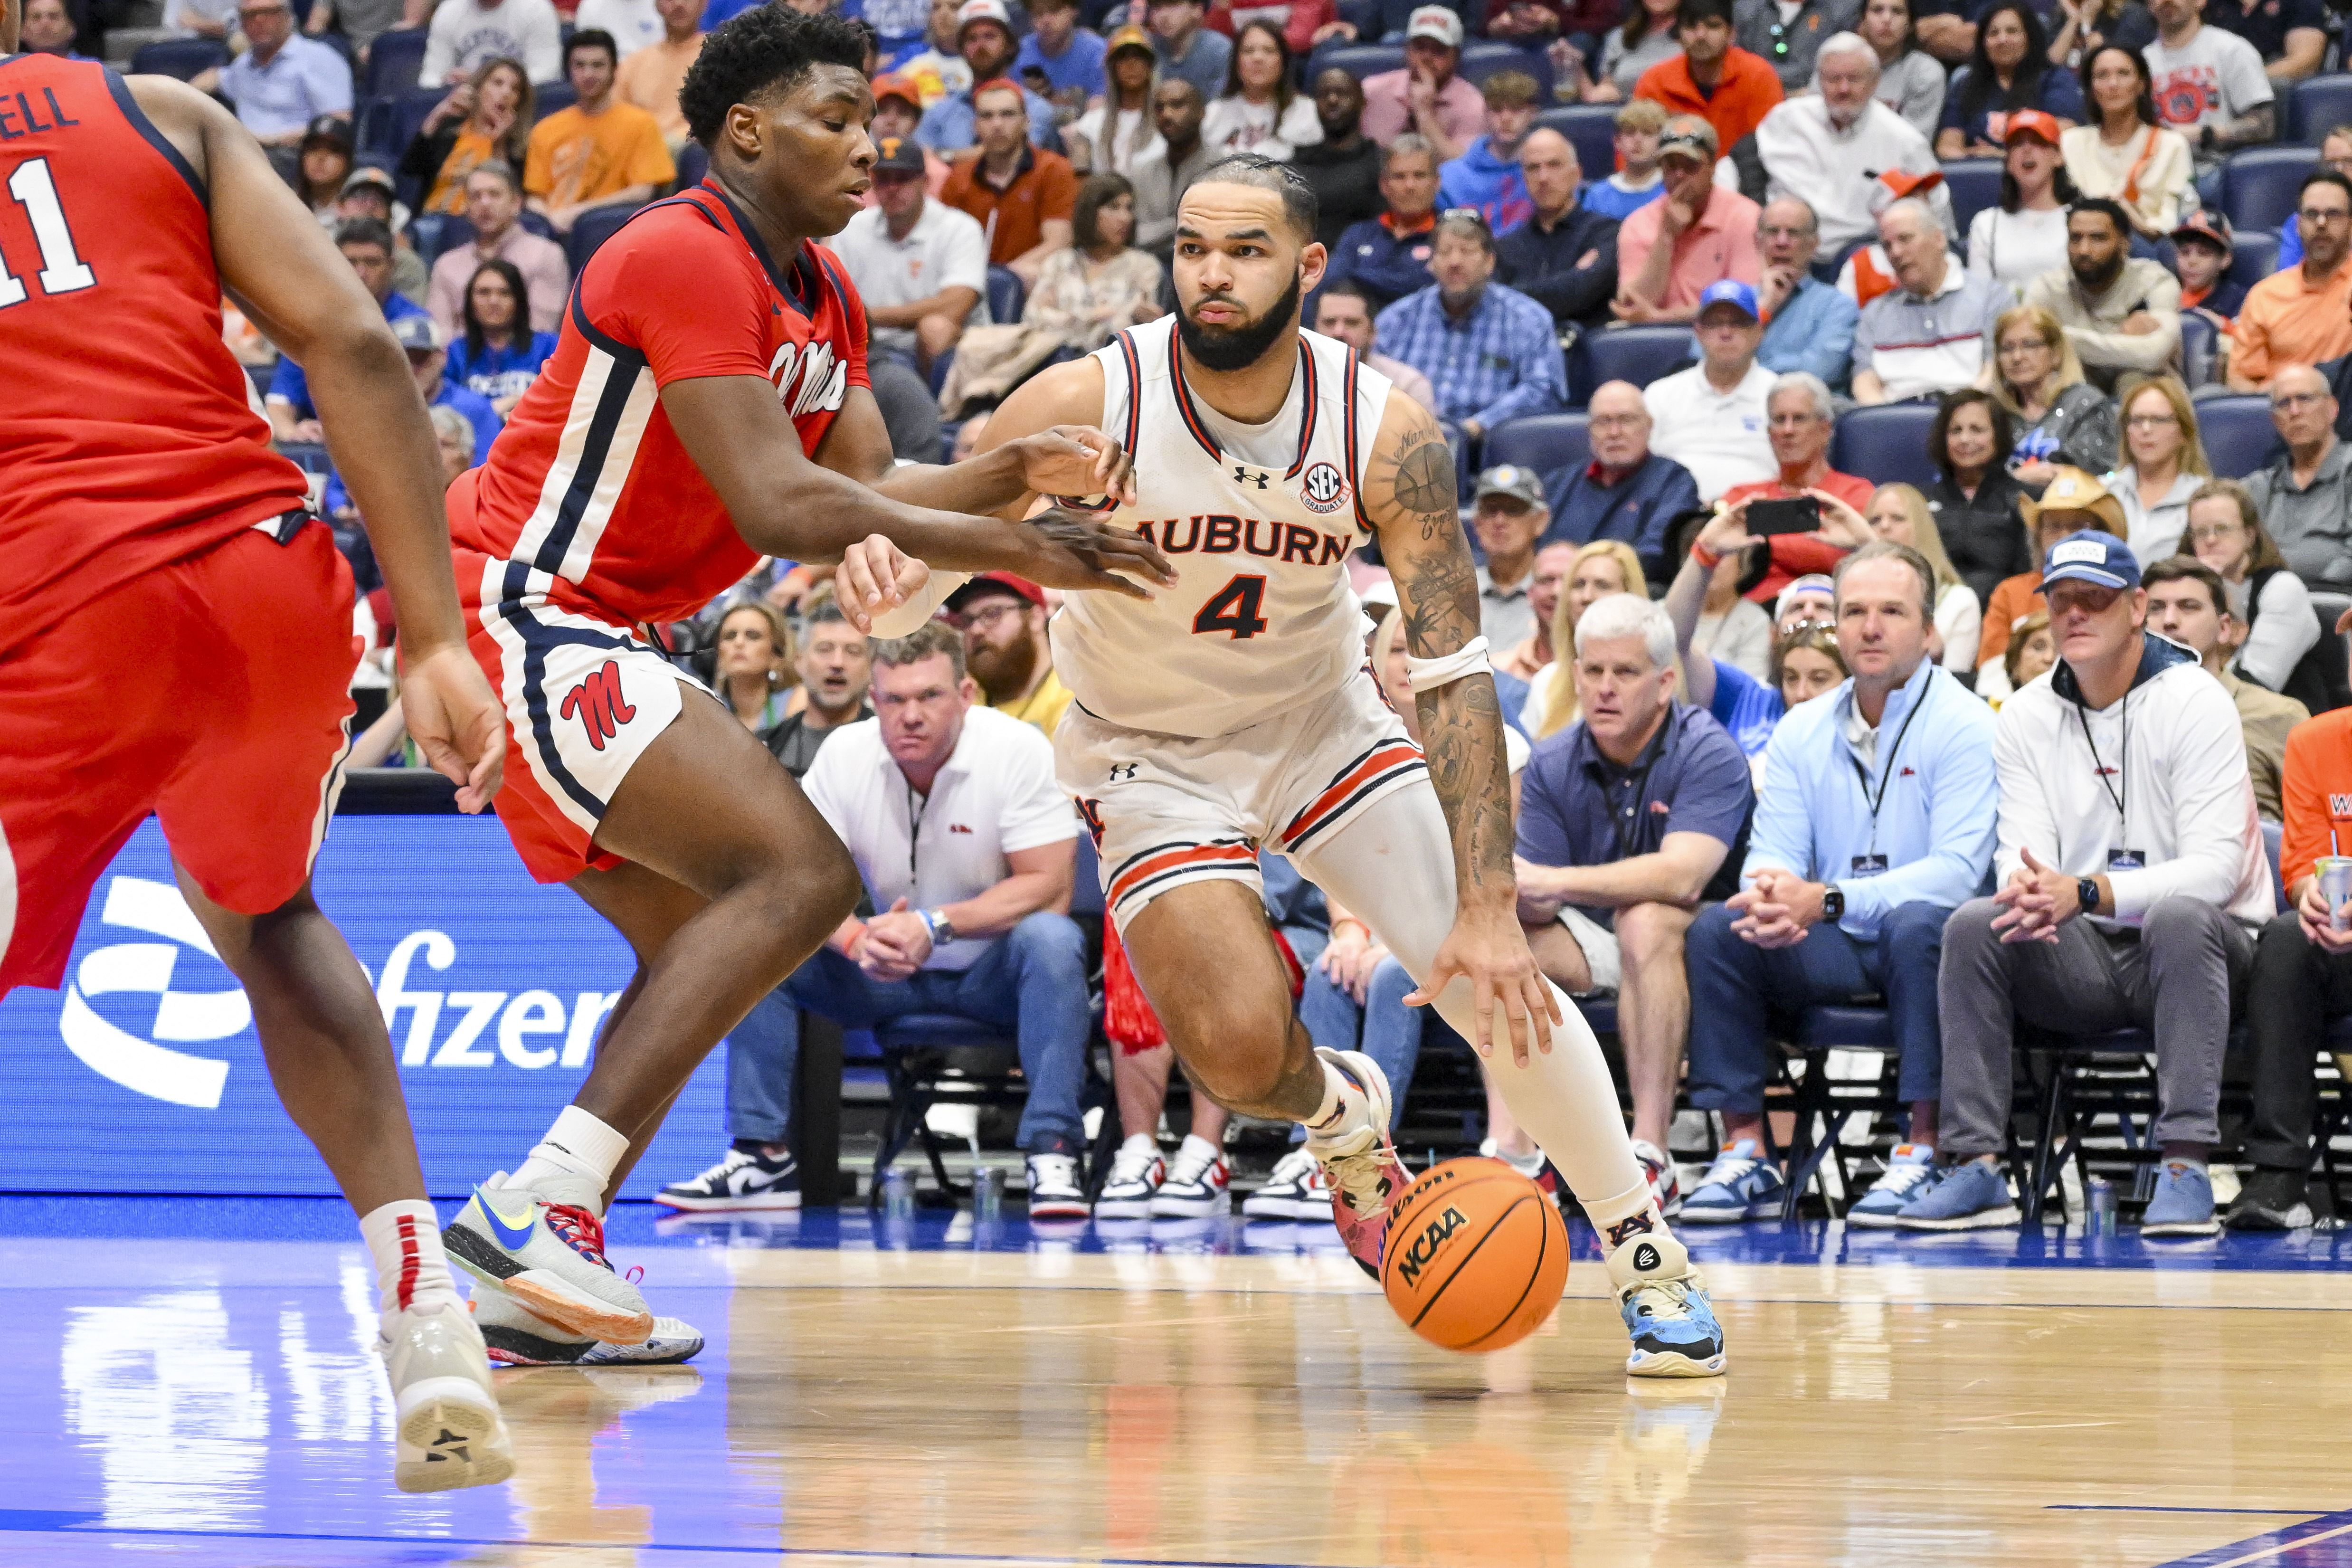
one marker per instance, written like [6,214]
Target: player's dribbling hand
[457,723]
[1080,552]
[1076,460]
[1491,951]
[876,575]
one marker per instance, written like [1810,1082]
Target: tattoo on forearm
[1424,485]
[1461,735]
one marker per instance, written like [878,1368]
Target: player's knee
[1234,1053]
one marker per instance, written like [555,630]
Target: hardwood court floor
[189,1384]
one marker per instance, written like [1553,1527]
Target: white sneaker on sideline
[1136,1174]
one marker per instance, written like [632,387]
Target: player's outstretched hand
[457,723]
[1490,951]
[876,575]
[1076,552]
[1076,460]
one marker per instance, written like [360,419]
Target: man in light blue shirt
[1876,821]
[1070,56]
[949,128]
[1808,325]
[281,82]
[1490,353]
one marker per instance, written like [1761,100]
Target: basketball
[1476,1255]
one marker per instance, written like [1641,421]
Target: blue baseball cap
[1730,291]
[2091,556]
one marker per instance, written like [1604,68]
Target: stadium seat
[932,1057]
[1975,185]
[547,97]
[1005,295]
[2197,341]
[2252,258]
[1639,354]
[2317,106]
[693,164]
[307,456]
[1358,60]
[1483,58]
[185,58]
[1590,129]
[1885,444]
[340,44]
[594,227]
[434,234]
[394,60]
[2238,433]
[1544,442]
[392,123]
[1364,15]
[1824,1102]
[2258,186]
[536,222]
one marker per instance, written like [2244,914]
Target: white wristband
[1428,674]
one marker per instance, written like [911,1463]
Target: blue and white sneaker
[2182,1205]
[1910,1171]
[1740,1185]
[1665,1307]
[1971,1195]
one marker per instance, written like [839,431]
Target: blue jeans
[1032,980]
[1738,988]
[1383,1028]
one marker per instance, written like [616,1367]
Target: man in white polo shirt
[1928,335]
[920,266]
[1711,419]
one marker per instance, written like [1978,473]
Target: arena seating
[2253,256]
[1005,294]
[1483,57]
[592,228]
[1640,355]
[1975,185]
[394,61]
[184,58]
[2198,343]
[1358,60]
[2238,433]
[1885,445]
[1547,443]
[2316,105]
[2258,186]
[1591,130]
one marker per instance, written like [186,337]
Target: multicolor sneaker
[1910,1171]
[1658,1170]
[745,1179]
[1053,1190]
[1740,1185]
[1360,1166]
[1200,1183]
[1665,1304]
[549,1257]
[451,1431]
[517,1337]
[1295,1190]
[1136,1173]
[1970,1195]
[2182,1203]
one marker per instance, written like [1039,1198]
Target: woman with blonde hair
[2061,417]
[487,117]
[1113,135]
[2159,464]
[2226,533]
[1604,567]
[755,673]
[1899,513]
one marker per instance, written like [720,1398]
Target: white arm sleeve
[903,620]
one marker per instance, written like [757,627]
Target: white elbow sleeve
[1429,674]
[902,620]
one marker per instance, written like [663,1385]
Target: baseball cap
[898,155]
[1896,183]
[1130,37]
[1811,582]
[1006,581]
[330,128]
[1730,291]
[1690,141]
[418,334]
[2034,122]
[973,10]
[891,84]
[2071,490]
[2091,556]
[1380,595]
[367,175]
[2210,226]
[1437,22]
[1510,479]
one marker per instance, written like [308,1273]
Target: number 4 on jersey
[1234,609]
[62,269]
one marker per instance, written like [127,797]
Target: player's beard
[1227,349]
[1005,673]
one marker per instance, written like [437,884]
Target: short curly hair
[766,49]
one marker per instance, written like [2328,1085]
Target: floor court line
[2281,1547]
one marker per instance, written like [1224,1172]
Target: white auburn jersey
[1258,521]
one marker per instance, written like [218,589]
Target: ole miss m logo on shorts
[599,706]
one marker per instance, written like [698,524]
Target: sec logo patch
[1324,489]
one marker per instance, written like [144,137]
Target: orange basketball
[1476,1257]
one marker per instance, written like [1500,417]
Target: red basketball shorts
[214,692]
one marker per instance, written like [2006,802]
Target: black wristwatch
[2086,889]
[1832,903]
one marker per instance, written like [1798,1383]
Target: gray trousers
[2180,977]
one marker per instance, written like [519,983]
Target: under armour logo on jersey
[1120,772]
[599,706]
[1245,475]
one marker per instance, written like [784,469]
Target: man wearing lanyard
[2132,881]
[1875,822]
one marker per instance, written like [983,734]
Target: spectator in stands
[898,112]
[2024,236]
[494,208]
[1899,514]
[1166,169]
[467,34]
[281,82]
[2162,465]
[1022,196]
[2305,498]
[1070,57]
[935,70]
[920,266]
[1809,324]
[428,360]
[2208,85]
[48,29]
[324,163]
[1671,251]
[2301,980]
[369,194]
[1488,175]
[1713,77]
[1829,148]
[1732,630]
[1260,112]
[1555,559]
[1975,498]
[1003,618]
[952,126]
[1627,492]
[1870,827]
[834,665]
[2032,653]
[2335,152]
[2089,25]
[1187,51]
[651,75]
[1604,567]
[599,153]
[1645,39]
[1639,180]
[1510,516]
[487,118]
[1606,908]
[1564,257]
[2075,501]
[1800,419]
[453,438]
[1344,310]
[754,674]
[2124,800]
[2058,416]
[1910,80]
[2125,154]
[2187,603]
[1344,167]
[201,18]
[2202,248]
[1113,135]
[2303,314]
[2010,71]
[493,352]
[1390,255]
[1426,97]
[2121,312]
[2290,36]
[1928,335]
[1714,419]
[633,24]
[1791,42]
[2265,598]
[367,245]
[1489,351]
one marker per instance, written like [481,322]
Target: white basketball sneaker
[450,1433]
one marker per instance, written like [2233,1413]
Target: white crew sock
[1529,1165]
[411,1270]
[1344,1109]
[1140,1143]
[1196,1147]
[578,1155]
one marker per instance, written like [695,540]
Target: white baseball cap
[1434,21]
[973,10]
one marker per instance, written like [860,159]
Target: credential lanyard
[2120,791]
[1887,764]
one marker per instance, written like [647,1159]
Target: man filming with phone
[1800,419]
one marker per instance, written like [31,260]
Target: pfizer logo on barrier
[147,1066]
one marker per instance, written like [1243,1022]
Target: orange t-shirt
[2284,320]
[2316,793]
[2013,599]
[1747,92]
[1014,218]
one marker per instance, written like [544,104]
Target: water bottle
[2098,1206]
[988,1194]
[898,1194]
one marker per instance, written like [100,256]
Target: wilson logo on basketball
[1324,489]
[599,706]
[1424,1247]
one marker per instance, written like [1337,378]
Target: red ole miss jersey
[588,484]
[126,439]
